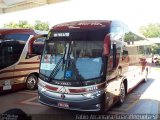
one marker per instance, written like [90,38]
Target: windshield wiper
[56,69]
[58,66]
[67,59]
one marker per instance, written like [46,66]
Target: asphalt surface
[142,103]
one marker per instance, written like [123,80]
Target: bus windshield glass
[11,46]
[23,37]
[72,60]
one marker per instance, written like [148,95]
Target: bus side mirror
[30,45]
[107,44]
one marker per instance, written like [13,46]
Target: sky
[135,13]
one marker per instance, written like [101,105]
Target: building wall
[21,7]
[27,5]
[1,10]
[54,1]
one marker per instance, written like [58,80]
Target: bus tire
[31,82]
[122,95]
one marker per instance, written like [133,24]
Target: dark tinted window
[10,52]
[37,47]
[23,37]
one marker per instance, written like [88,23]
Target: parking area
[144,96]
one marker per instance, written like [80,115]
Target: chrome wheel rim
[31,81]
[122,93]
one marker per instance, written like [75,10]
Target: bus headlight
[93,94]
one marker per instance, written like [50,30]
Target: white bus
[91,65]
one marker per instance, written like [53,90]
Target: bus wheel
[121,95]
[31,82]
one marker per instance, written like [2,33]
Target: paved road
[144,100]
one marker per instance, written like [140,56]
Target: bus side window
[10,53]
[7,55]
[114,56]
[111,63]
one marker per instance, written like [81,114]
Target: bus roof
[17,30]
[86,24]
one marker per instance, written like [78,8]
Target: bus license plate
[7,87]
[62,104]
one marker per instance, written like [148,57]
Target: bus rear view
[80,66]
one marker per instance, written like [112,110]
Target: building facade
[7,6]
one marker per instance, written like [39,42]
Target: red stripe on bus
[14,87]
[16,70]
[80,90]
[101,86]
[130,89]
[29,62]
[112,79]
[12,77]
[18,86]
[51,88]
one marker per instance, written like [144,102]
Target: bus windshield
[11,46]
[10,52]
[23,37]
[72,60]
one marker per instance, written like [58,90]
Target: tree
[11,25]
[129,37]
[151,30]
[156,49]
[24,24]
[41,25]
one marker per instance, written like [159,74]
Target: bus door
[6,68]
[113,60]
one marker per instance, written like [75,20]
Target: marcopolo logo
[62,90]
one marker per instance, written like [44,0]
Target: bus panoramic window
[62,60]
[23,37]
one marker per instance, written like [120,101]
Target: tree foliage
[156,49]
[129,37]
[41,25]
[38,25]
[151,30]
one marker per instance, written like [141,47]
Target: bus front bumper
[50,99]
